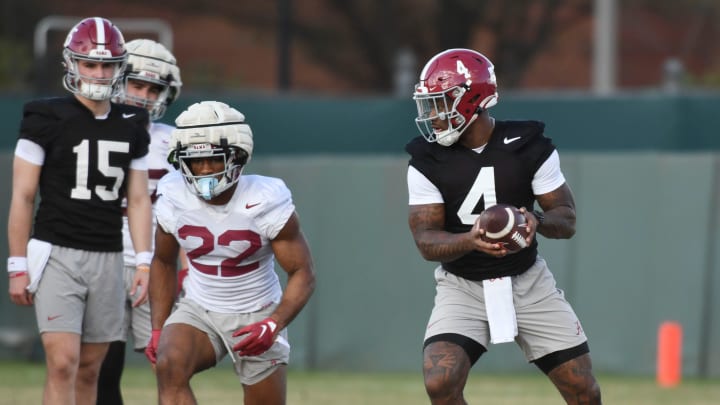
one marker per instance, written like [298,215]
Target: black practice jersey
[501,173]
[84,175]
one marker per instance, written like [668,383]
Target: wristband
[17,274]
[16,263]
[143,268]
[143,258]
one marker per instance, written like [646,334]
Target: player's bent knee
[438,387]
[168,368]
[444,382]
[62,370]
[447,362]
[594,393]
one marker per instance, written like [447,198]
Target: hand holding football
[503,223]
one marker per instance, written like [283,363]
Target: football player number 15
[82,170]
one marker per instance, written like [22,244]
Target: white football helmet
[150,61]
[97,40]
[208,129]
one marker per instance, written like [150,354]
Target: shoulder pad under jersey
[172,186]
[514,135]
[173,198]
[419,148]
[131,113]
[268,200]
[263,192]
[41,116]
[52,109]
[162,129]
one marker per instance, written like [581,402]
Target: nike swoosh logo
[510,140]
[264,328]
[128,115]
[248,206]
[52,318]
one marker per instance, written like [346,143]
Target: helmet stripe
[100,31]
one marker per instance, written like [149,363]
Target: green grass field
[21,383]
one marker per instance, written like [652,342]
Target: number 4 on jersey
[484,186]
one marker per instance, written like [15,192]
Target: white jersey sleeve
[421,190]
[549,176]
[230,257]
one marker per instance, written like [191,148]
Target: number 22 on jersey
[229,267]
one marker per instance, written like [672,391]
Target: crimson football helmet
[151,62]
[455,85]
[211,129]
[93,39]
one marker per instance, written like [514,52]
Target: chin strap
[453,135]
[449,139]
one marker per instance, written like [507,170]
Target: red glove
[261,336]
[182,273]
[152,346]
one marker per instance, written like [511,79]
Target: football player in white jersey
[233,228]
[151,81]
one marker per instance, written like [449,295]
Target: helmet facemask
[441,106]
[208,186]
[156,108]
[87,86]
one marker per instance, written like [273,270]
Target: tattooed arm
[427,223]
[559,211]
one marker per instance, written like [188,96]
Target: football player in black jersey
[82,154]
[464,162]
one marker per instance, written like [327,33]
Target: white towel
[38,253]
[500,309]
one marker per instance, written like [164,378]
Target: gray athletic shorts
[220,326]
[546,321]
[82,292]
[137,320]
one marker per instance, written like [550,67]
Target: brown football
[503,223]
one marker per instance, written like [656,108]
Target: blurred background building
[357,47]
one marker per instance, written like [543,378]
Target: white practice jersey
[231,263]
[158,166]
